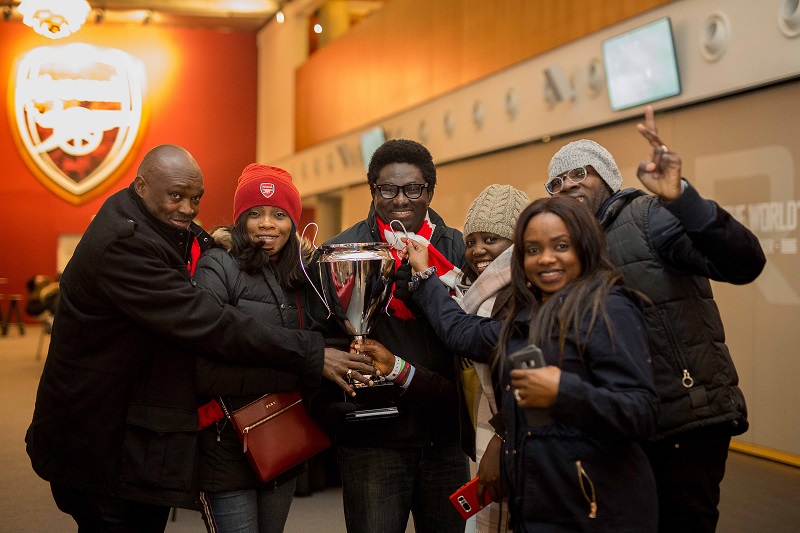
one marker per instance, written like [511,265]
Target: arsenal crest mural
[78,114]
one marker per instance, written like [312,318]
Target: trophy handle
[314,238]
[405,231]
[405,234]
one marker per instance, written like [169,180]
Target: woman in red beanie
[254,266]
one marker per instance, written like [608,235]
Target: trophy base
[376,402]
[372,414]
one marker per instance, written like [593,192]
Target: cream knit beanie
[496,210]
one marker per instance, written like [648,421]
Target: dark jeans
[382,485]
[248,510]
[96,513]
[689,468]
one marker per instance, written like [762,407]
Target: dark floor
[757,495]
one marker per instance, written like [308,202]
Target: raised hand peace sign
[662,174]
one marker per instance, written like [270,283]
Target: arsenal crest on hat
[267,189]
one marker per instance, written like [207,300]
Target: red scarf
[448,274]
[194,256]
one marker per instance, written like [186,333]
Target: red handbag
[277,433]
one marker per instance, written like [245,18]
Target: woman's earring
[528,284]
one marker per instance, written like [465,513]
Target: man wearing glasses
[668,245]
[413,462]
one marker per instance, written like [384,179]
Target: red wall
[201,94]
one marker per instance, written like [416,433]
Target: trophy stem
[376,380]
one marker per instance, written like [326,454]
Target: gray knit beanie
[496,210]
[583,153]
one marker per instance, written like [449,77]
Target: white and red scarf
[447,272]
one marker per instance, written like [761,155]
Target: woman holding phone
[580,467]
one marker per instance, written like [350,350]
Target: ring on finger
[664,148]
[517,396]
[349,372]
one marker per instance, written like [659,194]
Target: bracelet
[398,366]
[400,371]
[401,378]
[419,276]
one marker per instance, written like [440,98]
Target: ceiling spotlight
[279,16]
[317,28]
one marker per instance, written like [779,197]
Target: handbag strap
[224,409]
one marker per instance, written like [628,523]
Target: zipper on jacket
[582,475]
[678,361]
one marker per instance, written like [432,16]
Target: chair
[15,313]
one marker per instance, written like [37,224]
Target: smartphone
[465,499]
[531,356]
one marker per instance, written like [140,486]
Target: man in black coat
[413,462]
[115,425]
[668,245]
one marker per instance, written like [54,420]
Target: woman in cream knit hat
[489,226]
[485,290]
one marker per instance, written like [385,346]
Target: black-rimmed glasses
[411,190]
[576,175]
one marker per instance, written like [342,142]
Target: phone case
[525,358]
[528,357]
[465,499]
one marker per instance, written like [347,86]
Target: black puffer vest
[694,374]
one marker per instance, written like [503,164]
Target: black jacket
[669,252]
[606,402]
[429,411]
[116,409]
[223,466]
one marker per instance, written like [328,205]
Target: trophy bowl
[356,278]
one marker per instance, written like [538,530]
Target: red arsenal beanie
[263,185]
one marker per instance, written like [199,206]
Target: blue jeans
[248,511]
[382,485]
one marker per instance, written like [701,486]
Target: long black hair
[583,297]
[252,258]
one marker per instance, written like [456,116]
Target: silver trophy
[356,277]
[356,288]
